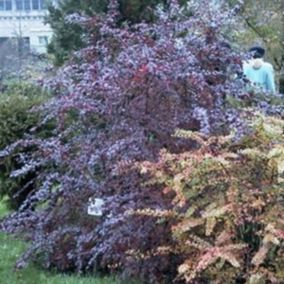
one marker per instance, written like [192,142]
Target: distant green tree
[68,36]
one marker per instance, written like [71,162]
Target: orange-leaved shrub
[228,206]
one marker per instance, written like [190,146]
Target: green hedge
[16,120]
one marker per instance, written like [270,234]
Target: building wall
[25,23]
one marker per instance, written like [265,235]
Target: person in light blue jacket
[259,72]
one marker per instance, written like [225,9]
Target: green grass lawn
[11,249]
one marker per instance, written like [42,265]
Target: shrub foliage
[17,120]
[228,206]
[69,36]
[187,213]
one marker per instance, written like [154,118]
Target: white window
[20,4]
[30,4]
[43,40]
[5,5]
[36,4]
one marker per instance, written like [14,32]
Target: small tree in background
[19,64]
[68,36]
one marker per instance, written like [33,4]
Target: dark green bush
[17,119]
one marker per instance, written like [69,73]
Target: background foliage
[17,121]
[260,23]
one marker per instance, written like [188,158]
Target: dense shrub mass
[70,36]
[228,206]
[17,120]
[118,104]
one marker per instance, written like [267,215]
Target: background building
[23,20]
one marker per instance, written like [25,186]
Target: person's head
[257,52]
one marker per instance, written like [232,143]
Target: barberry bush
[116,105]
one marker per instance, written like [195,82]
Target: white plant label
[95,207]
